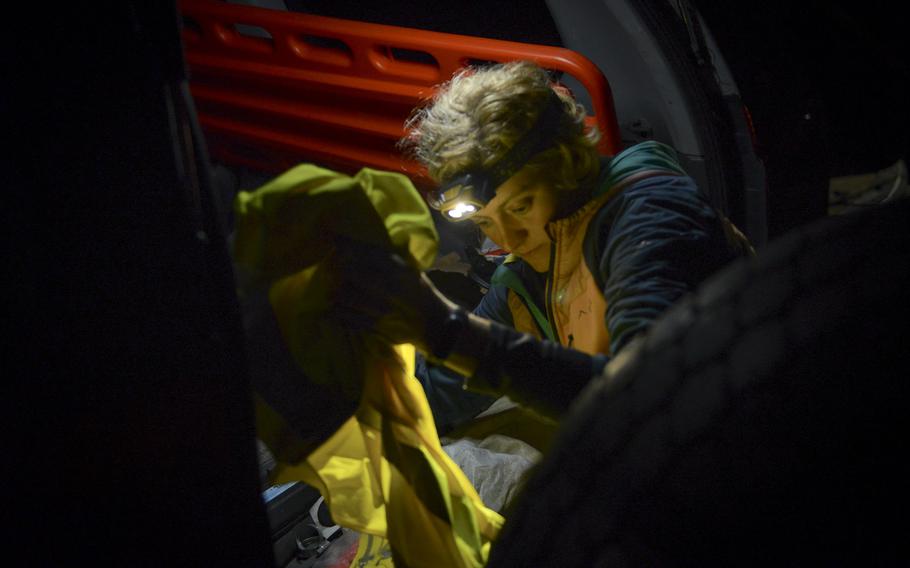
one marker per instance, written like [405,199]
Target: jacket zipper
[549,296]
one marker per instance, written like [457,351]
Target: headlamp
[462,196]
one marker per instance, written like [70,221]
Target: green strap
[505,277]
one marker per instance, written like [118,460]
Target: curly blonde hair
[476,117]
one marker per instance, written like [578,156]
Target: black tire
[760,422]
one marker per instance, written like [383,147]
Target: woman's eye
[521,208]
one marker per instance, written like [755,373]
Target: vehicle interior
[132,416]
[275,86]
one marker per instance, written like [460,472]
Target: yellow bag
[383,473]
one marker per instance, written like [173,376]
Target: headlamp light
[462,210]
[464,195]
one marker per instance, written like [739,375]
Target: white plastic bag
[496,466]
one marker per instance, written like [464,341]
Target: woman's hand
[378,292]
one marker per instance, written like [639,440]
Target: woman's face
[516,218]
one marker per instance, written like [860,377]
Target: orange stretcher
[275,88]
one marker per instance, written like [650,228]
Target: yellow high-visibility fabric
[383,473]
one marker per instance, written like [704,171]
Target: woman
[600,246]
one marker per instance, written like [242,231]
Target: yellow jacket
[383,472]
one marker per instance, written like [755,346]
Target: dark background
[825,83]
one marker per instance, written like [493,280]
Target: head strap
[538,138]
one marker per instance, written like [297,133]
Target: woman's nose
[513,237]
